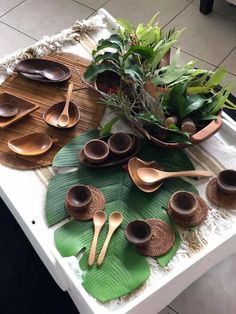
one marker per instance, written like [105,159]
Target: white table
[24,194]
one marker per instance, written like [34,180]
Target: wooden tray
[24,108]
[112,159]
[44,96]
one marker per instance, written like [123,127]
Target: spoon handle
[191,173]
[68,97]
[92,253]
[105,246]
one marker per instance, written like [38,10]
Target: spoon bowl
[31,145]
[8,110]
[99,220]
[115,220]
[150,176]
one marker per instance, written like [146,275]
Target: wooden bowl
[183,204]
[78,198]
[226,181]
[197,138]
[120,143]
[96,151]
[51,116]
[138,232]
[31,145]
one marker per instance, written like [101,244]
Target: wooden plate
[24,108]
[112,159]
[41,64]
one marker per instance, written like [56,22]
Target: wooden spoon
[64,116]
[115,220]
[8,110]
[31,145]
[150,175]
[53,73]
[99,220]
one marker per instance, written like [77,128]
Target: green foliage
[124,269]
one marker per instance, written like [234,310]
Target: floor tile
[94,4]
[13,40]
[6,5]
[230,62]
[38,18]
[185,58]
[208,37]
[223,7]
[137,11]
[206,296]
[167,310]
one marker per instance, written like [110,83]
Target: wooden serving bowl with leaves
[197,138]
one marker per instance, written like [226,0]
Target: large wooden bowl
[199,137]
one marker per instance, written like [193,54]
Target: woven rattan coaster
[198,217]
[98,203]
[162,239]
[220,198]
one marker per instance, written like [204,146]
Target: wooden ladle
[31,145]
[99,220]
[64,118]
[8,110]
[150,175]
[115,220]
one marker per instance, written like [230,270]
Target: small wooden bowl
[120,143]
[138,232]
[96,151]
[78,198]
[52,115]
[226,181]
[183,204]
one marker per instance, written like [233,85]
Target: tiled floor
[211,39]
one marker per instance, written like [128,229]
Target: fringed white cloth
[55,43]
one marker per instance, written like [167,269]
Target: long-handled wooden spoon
[64,118]
[115,220]
[99,220]
[151,175]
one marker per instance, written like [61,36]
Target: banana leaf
[124,269]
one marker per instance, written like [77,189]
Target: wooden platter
[44,96]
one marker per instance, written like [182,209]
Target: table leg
[206,6]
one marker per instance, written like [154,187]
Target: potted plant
[174,106]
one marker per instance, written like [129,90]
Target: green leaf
[125,24]
[134,72]
[123,269]
[106,129]
[107,56]
[93,70]
[216,77]
[193,102]
[177,99]
[144,52]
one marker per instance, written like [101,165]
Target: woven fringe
[54,43]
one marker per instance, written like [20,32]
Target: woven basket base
[98,203]
[198,217]
[162,239]
[218,197]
